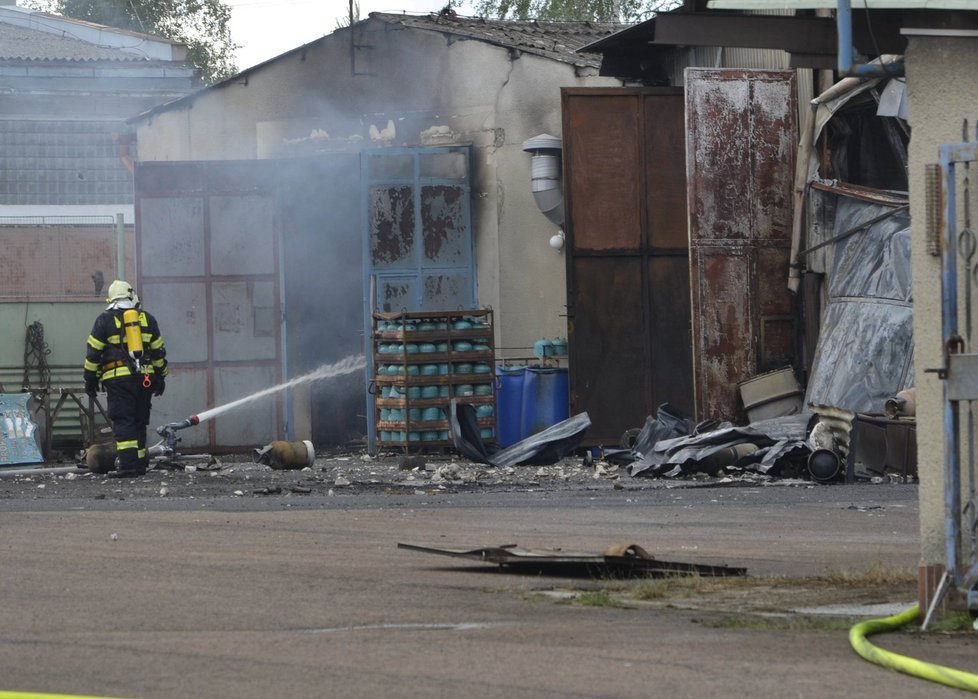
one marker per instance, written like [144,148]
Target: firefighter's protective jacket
[107,356]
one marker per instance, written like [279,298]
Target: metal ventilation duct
[545,171]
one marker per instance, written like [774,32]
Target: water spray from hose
[327,371]
[167,445]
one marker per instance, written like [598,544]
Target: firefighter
[126,353]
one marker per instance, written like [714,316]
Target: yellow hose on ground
[32,695]
[901,663]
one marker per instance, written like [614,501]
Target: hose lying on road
[32,695]
[901,663]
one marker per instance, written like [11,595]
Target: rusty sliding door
[627,255]
[741,141]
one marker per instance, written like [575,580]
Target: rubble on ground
[349,474]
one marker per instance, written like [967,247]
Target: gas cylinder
[134,333]
[100,458]
[281,455]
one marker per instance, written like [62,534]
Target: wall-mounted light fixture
[557,241]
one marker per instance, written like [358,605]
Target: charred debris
[846,410]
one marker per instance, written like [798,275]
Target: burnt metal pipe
[856,229]
[824,465]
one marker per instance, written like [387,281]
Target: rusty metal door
[627,264]
[740,150]
[419,250]
[418,243]
[207,259]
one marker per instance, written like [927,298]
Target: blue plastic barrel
[545,399]
[509,404]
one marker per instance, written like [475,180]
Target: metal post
[370,369]
[843,21]
[949,300]
[90,416]
[120,246]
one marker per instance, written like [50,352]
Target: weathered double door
[627,255]
[678,237]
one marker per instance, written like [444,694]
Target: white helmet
[119,290]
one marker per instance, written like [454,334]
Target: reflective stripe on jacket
[107,354]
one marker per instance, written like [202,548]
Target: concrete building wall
[942,85]
[435,91]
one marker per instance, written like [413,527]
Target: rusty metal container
[772,394]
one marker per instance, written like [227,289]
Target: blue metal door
[419,252]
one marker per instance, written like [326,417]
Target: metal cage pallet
[422,361]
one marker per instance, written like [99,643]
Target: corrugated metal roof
[558,41]
[834,4]
[26,44]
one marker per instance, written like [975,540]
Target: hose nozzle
[168,444]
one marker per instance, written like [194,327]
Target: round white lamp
[557,240]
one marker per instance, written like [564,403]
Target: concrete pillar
[941,85]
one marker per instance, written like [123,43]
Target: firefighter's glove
[159,385]
[91,387]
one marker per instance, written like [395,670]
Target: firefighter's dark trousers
[129,405]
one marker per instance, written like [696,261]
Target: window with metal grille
[59,162]
[57,257]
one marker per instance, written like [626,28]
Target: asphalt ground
[291,584]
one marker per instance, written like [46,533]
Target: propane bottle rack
[422,361]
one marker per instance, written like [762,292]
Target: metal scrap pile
[670,445]
[826,445]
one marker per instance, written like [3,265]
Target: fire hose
[168,442]
[34,695]
[948,676]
